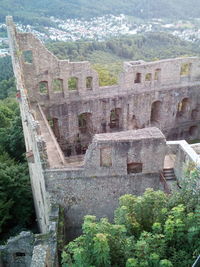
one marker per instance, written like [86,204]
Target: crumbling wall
[18,250]
[68,90]
[35,145]
[115,164]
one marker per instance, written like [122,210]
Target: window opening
[57,85]
[28,56]
[73,83]
[138,78]
[43,87]
[89,83]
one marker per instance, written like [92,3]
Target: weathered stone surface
[114,126]
[18,250]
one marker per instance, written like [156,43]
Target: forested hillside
[16,203]
[37,11]
[147,47]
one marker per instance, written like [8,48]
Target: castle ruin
[87,145]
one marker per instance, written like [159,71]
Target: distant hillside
[38,11]
[151,46]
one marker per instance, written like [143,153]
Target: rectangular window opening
[134,167]
[57,85]
[89,83]
[106,157]
[28,56]
[20,254]
[138,78]
[185,69]
[73,84]
[148,77]
[157,74]
[43,87]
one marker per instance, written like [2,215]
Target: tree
[16,203]
[152,230]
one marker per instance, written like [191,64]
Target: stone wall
[148,94]
[18,250]
[35,145]
[184,154]
[115,164]
[111,125]
[93,195]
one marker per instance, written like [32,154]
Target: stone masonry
[88,145]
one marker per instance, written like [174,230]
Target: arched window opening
[193,131]
[115,118]
[156,111]
[85,123]
[89,82]
[57,85]
[183,107]
[73,83]
[43,87]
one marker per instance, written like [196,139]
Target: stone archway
[156,108]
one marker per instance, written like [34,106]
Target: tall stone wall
[35,145]
[161,93]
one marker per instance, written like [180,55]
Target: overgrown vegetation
[16,204]
[150,230]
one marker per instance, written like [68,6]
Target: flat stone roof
[146,133]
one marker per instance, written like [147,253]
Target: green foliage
[153,230]
[105,76]
[11,132]
[7,82]
[148,47]
[16,203]
[73,83]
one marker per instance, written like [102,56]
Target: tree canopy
[16,203]
[152,230]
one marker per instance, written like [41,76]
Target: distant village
[102,28]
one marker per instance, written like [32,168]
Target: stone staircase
[170,178]
[169,174]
